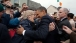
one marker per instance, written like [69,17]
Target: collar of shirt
[62,19]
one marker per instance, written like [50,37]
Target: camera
[12,7]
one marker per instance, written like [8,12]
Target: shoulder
[65,20]
[2,26]
[67,23]
[47,18]
[25,21]
[6,14]
[72,21]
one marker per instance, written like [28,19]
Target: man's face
[12,11]
[24,6]
[39,13]
[62,13]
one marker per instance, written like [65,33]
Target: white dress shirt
[23,33]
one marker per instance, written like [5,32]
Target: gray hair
[28,13]
[66,10]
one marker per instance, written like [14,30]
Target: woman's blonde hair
[28,13]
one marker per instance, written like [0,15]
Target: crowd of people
[23,25]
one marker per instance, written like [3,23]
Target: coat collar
[63,19]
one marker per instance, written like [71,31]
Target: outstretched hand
[67,30]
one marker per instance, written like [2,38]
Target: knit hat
[1,7]
[13,23]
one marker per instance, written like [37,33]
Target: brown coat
[73,37]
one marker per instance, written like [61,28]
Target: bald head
[65,10]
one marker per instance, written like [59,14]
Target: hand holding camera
[8,3]
[24,8]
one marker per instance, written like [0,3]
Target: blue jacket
[28,25]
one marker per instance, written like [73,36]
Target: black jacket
[4,35]
[63,35]
[42,33]
[5,19]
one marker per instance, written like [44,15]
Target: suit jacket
[63,35]
[42,33]
[4,35]
[73,37]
